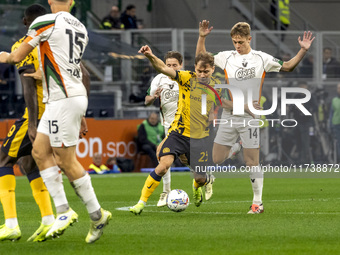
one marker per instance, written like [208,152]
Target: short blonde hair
[241,28]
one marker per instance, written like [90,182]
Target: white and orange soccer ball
[177,200]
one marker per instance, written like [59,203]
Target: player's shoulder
[157,79]
[182,77]
[186,73]
[43,20]
[225,53]
[259,53]
[160,76]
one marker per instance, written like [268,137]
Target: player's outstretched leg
[10,230]
[65,215]
[256,178]
[99,217]
[149,187]
[42,198]
[198,193]
[166,189]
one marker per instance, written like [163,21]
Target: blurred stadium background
[120,77]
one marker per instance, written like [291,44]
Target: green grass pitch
[301,217]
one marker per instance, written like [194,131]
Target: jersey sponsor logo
[170,94]
[166,150]
[245,74]
[5,143]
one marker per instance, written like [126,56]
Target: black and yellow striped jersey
[189,120]
[31,62]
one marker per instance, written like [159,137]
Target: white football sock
[53,180]
[235,148]
[167,181]
[11,223]
[141,201]
[83,188]
[256,178]
[47,220]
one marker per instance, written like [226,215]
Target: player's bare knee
[218,159]
[162,168]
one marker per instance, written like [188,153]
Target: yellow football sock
[41,196]
[196,185]
[149,187]
[7,195]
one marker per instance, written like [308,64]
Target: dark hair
[130,6]
[206,58]
[34,11]
[174,54]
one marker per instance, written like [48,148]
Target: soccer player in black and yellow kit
[18,144]
[189,131]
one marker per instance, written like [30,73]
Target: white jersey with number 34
[62,40]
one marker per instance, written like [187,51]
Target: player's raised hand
[158,93]
[83,128]
[307,40]
[146,50]
[204,28]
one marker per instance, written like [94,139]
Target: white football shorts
[232,127]
[61,120]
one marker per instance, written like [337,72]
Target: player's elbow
[287,67]
[14,59]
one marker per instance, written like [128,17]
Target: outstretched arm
[305,44]
[158,64]
[204,30]
[149,100]
[17,55]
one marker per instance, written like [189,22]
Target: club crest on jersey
[171,86]
[166,150]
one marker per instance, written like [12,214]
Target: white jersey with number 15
[62,40]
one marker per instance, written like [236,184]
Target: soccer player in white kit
[62,40]
[246,68]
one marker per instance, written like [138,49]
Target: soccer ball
[177,200]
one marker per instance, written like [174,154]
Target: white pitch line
[244,201]
[126,208]
[237,213]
